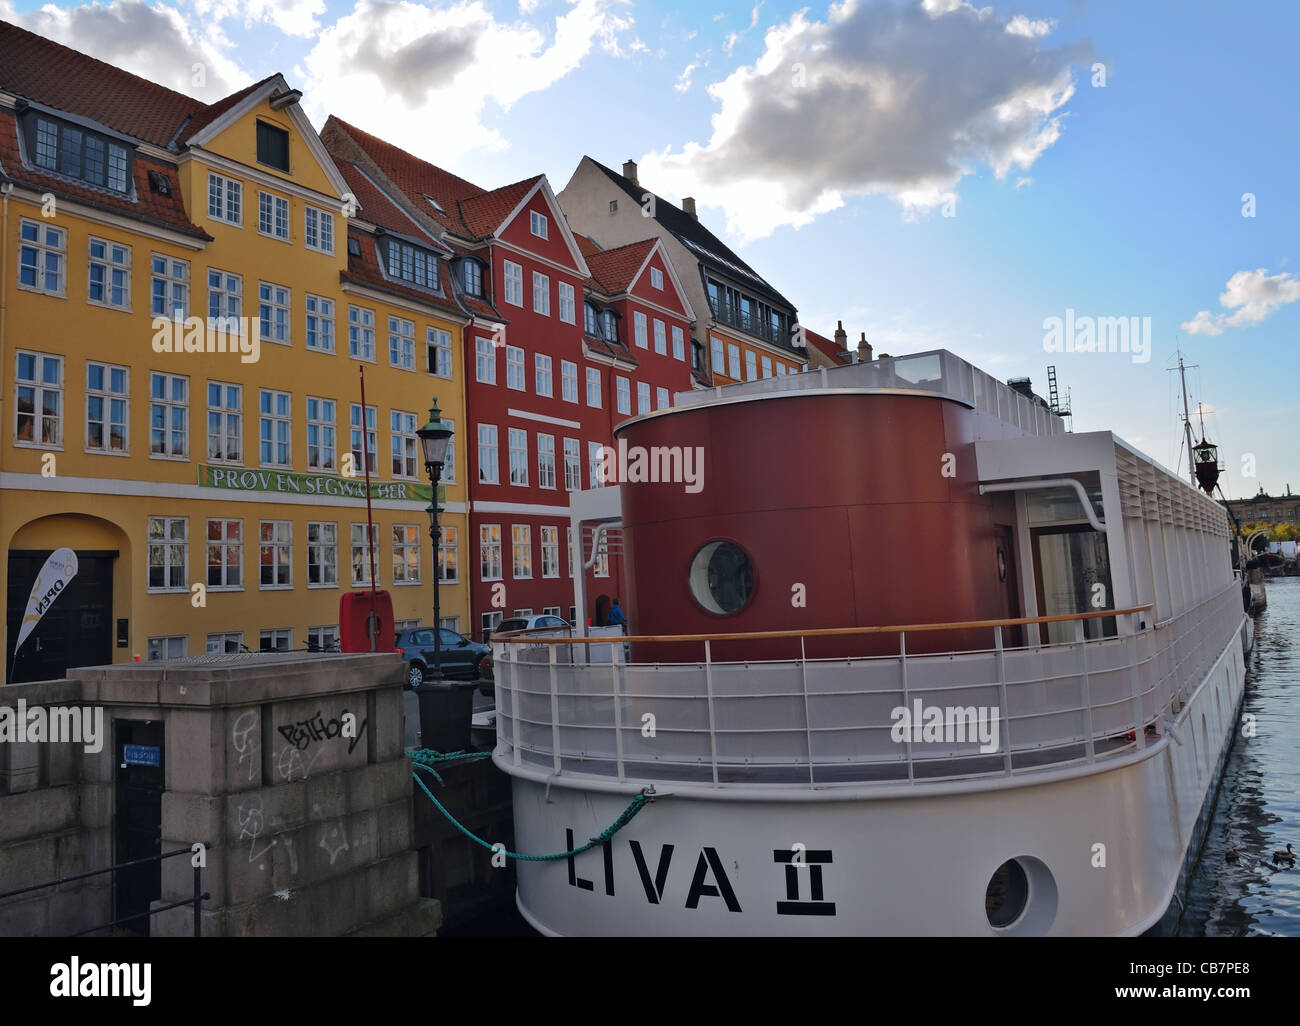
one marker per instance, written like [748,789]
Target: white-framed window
[273,311]
[489,470]
[169,415]
[572,465]
[471,276]
[780,369]
[370,432]
[405,444]
[733,361]
[679,343]
[276,639]
[401,343]
[489,546]
[551,553]
[273,215]
[227,643]
[521,551]
[719,362]
[537,224]
[169,550]
[42,257]
[361,553]
[406,554]
[595,465]
[451,623]
[567,306]
[656,279]
[541,294]
[225,297]
[108,282]
[514,276]
[622,395]
[490,622]
[322,554]
[568,551]
[439,351]
[318,229]
[600,568]
[643,397]
[751,365]
[485,361]
[320,323]
[225,545]
[661,338]
[662,402]
[275,554]
[274,419]
[518,441]
[545,461]
[515,368]
[448,555]
[321,428]
[542,367]
[174,647]
[169,287]
[449,465]
[323,639]
[568,381]
[38,412]
[550,610]
[361,333]
[225,422]
[108,395]
[225,199]
[640,330]
[767,366]
[593,387]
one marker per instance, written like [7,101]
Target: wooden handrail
[521,638]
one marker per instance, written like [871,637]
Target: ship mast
[1187,421]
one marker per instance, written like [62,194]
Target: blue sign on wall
[141,755]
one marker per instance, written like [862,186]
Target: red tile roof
[364,270]
[825,345]
[586,245]
[482,214]
[374,206]
[613,269]
[148,205]
[213,111]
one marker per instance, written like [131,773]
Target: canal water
[1258,808]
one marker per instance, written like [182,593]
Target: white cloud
[684,80]
[1251,296]
[878,98]
[292,17]
[1022,26]
[733,38]
[157,43]
[423,77]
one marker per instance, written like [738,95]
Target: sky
[1004,181]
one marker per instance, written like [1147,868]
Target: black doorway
[78,628]
[138,749]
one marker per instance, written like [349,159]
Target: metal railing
[199,896]
[817,721]
[750,322]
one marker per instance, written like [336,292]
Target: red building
[552,348]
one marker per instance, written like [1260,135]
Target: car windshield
[511,625]
[450,637]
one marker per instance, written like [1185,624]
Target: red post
[370,525]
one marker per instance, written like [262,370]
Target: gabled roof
[375,206]
[706,246]
[213,111]
[614,270]
[483,215]
[826,346]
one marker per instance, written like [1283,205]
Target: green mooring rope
[424,758]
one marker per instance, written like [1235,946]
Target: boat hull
[1104,850]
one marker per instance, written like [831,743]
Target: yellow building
[208,493]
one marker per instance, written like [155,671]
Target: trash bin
[446,709]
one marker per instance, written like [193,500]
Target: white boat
[912,661]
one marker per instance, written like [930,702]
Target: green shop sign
[236,479]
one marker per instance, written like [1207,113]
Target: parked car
[526,623]
[462,659]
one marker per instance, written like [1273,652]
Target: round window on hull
[1020,899]
[722,578]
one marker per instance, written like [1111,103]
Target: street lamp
[435,436]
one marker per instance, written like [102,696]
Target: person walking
[616,615]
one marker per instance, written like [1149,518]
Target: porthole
[722,578]
[1020,898]
[1007,894]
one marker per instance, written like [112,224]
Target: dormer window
[610,325]
[471,277]
[77,153]
[589,320]
[409,263]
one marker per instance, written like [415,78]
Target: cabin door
[1009,581]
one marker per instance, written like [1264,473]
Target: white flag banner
[55,575]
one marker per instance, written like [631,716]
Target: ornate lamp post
[435,436]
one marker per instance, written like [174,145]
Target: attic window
[613,206]
[77,153]
[160,183]
[434,203]
[354,248]
[272,146]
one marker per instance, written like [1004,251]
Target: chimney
[841,336]
[629,170]
[688,207]
[864,349]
